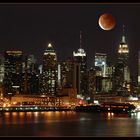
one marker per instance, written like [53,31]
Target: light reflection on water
[69,123]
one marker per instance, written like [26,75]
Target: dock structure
[37,100]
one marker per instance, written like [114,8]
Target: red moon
[107,21]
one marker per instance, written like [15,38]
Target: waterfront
[69,123]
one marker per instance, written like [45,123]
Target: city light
[61,75]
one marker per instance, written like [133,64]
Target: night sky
[29,27]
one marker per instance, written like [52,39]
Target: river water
[70,124]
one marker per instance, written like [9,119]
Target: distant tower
[13,71]
[49,71]
[92,81]
[122,72]
[30,75]
[80,57]
[100,61]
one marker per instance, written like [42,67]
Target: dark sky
[29,27]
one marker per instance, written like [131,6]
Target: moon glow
[107,21]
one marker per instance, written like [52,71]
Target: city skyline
[69,69]
[29,27]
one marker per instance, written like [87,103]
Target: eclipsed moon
[107,21]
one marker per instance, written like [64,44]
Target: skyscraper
[13,70]
[67,70]
[30,84]
[100,61]
[49,76]
[91,81]
[103,75]
[122,71]
[80,57]
[70,77]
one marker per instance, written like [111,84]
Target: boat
[88,108]
[117,107]
[107,107]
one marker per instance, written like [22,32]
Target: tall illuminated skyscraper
[122,71]
[80,57]
[49,78]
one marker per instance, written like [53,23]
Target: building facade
[30,76]
[12,72]
[49,76]
[100,61]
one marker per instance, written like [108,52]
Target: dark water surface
[69,123]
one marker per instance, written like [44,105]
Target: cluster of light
[88,98]
[80,52]
[15,86]
[81,102]
[110,114]
[138,78]
[100,63]
[133,98]
[49,45]
[6,105]
[51,53]
[96,102]
[80,96]
[123,49]
[138,115]
[137,108]
[128,87]
[14,52]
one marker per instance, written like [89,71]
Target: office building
[49,76]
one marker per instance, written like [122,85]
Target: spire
[80,39]
[123,29]
[123,36]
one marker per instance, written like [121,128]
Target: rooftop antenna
[123,37]
[80,39]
